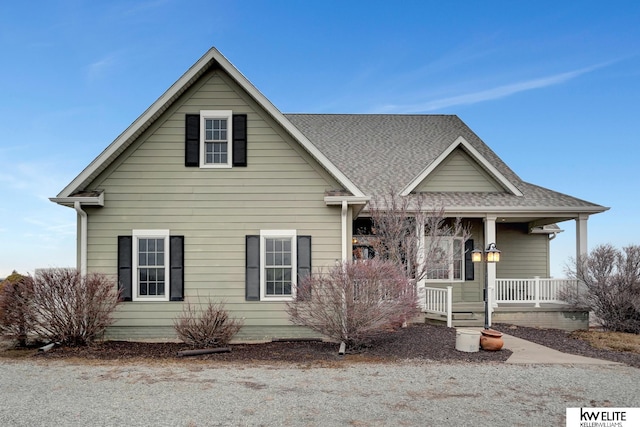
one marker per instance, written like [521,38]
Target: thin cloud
[493,93]
[98,69]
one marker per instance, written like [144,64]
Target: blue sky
[552,87]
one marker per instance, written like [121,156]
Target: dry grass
[617,341]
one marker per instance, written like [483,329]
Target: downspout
[83,238]
[345,242]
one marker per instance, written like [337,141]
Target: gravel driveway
[37,393]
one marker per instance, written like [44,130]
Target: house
[213,192]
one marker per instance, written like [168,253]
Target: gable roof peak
[462,143]
[211,58]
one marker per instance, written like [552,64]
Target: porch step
[458,319]
[463,316]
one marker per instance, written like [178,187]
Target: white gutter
[83,238]
[85,200]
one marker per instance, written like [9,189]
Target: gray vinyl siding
[148,187]
[459,172]
[523,255]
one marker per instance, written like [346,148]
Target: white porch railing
[536,290]
[439,301]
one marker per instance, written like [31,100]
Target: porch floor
[549,315]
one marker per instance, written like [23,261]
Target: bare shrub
[353,301]
[16,308]
[211,327]
[408,233]
[609,286]
[70,308]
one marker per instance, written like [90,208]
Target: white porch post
[420,284]
[581,236]
[346,237]
[490,237]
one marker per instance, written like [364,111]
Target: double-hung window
[216,138]
[278,261]
[445,258]
[151,265]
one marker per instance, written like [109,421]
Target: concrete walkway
[527,352]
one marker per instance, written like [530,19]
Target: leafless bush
[70,308]
[353,301]
[609,287]
[211,327]
[16,308]
[406,232]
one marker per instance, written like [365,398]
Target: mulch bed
[425,342]
[418,341]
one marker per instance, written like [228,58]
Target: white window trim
[137,234]
[451,266]
[216,114]
[264,235]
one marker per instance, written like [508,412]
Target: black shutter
[176,268]
[124,267]
[192,140]
[303,245]
[239,140]
[252,268]
[468,264]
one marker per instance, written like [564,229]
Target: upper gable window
[216,129]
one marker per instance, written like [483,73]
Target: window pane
[151,273]
[278,272]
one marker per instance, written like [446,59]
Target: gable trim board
[211,58]
[461,142]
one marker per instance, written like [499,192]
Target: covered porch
[534,302]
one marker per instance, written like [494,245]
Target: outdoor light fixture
[491,254]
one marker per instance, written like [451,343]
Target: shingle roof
[379,152]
